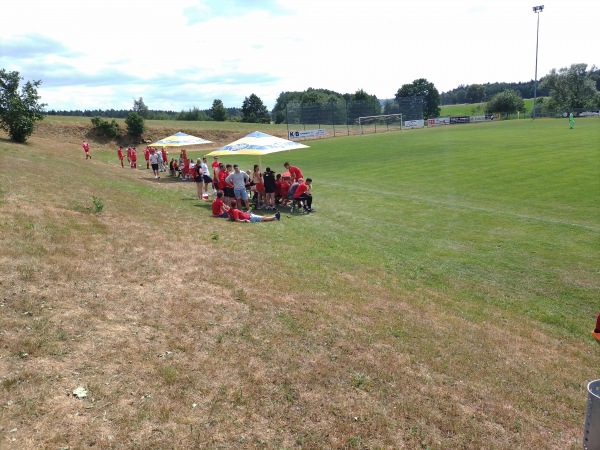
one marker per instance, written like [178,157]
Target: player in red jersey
[165,159]
[133,158]
[219,209]
[147,157]
[596,331]
[215,168]
[237,215]
[303,193]
[86,149]
[295,172]
[284,188]
[120,155]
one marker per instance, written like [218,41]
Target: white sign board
[414,124]
[439,121]
[303,134]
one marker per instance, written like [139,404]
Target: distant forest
[459,95]
[190,115]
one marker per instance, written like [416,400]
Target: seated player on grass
[237,215]
[219,209]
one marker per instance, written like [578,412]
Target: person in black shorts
[269,183]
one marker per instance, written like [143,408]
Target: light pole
[537,10]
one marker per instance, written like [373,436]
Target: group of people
[235,189]
[154,158]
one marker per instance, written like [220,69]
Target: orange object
[596,331]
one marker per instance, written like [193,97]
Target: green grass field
[441,296]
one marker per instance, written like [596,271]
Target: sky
[184,54]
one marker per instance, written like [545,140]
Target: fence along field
[442,296]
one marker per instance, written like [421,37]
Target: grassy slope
[441,297]
[468,109]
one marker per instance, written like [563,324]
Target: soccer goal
[380,124]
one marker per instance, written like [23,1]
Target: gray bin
[591,436]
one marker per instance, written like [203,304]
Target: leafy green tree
[475,93]
[194,114]
[506,102]
[571,88]
[140,107]
[362,104]
[135,125]
[106,128]
[425,89]
[254,111]
[218,111]
[391,107]
[19,111]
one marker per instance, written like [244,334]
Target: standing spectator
[239,180]
[295,172]
[205,176]
[270,188]
[147,152]
[153,158]
[221,184]
[228,193]
[86,149]
[165,158]
[161,164]
[198,177]
[259,187]
[133,157]
[120,155]
[186,167]
[303,193]
[215,168]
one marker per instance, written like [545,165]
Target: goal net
[379,124]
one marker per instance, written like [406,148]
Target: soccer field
[441,296]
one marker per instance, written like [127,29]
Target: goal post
[385,122]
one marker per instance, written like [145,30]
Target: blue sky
[181,54]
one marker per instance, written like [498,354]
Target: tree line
[567,89]
[478,93]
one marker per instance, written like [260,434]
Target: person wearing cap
[237,215]
[239,180]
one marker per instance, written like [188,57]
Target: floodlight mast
[537,10]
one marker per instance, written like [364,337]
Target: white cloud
[185,53]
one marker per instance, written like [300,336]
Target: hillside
[73,130]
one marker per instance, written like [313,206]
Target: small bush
[98,205]
[106,128]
